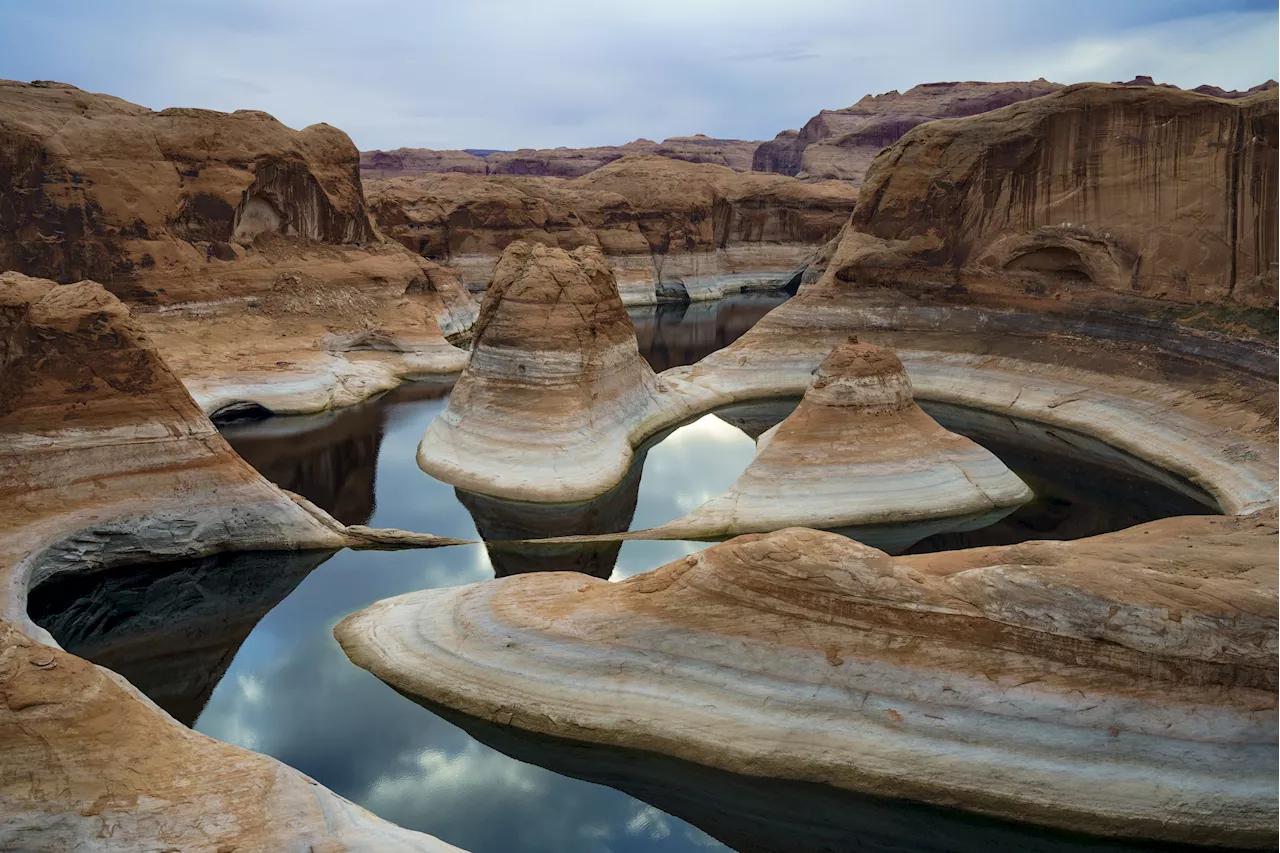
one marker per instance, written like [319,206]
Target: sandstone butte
[555,162]
[106,461]
[553,350]
[840,144]
[244,247]
[859,456]
[1102,259]
[670,229]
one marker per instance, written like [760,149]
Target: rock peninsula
[1063,684]
[859,453]
[105,461]
[555,388]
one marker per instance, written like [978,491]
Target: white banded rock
[555,387]
[858,453]
[107,462]
[1103,685]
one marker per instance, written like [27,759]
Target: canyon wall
[555,162]
[692,229]
[95,187]
[1140,191]
[840,144]
[220,229]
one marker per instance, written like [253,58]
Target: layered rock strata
[555,389]
[840,144]
[1137,191]
[244,247]
[671,231]
[859,453]
[735,154]
[1121,685]
[106,461]
[1103,686]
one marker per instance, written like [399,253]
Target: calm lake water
[241,646]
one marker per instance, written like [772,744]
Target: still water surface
[241,646]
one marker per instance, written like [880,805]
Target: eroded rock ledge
[1102,685]
[105,460]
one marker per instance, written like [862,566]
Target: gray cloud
[501,73]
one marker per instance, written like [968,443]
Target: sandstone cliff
[704,228]
[555,162]
[95,187]
[842,143]
[240,228]
[1136,190]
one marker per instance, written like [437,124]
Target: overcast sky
[542,73]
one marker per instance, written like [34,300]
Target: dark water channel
[241,646]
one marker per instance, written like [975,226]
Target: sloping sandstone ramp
[1102,685]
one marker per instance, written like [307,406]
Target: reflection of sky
[291,693]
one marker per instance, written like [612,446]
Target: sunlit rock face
[859,453]
[554,389]
[1099,686]
[671,230]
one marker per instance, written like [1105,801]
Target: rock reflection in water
[500,521]
[1083,487]
[171,629]
[674,335]
[758,815]
[331,457]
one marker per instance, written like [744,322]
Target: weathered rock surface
[1121,685]
[840,144]
[670,230]
[859,453]
[1104,685]
[554,390]
[106,461]
[555,162]
[200,219]
[1141,191]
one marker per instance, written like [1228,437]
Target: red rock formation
[842,143]
[555,162]
[95,187]
[418,161]
[1138,190]
[657,220]
[262,228]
